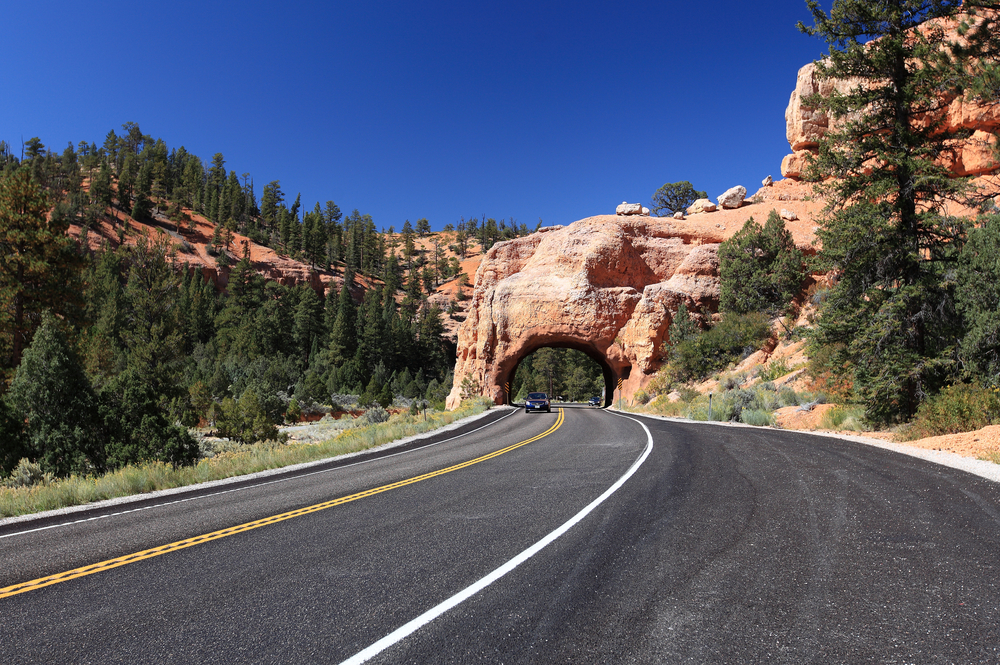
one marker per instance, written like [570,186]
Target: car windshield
[536,395]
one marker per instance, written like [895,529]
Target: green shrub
[788,397]
[960,408]
[760,269]
[664,407]
[846,418]
[722,408]
[641,397]
[732,339]
[245,419]
[688,394]
[757,417]
[28,474]
[732,381]
[774,370]
[373,416]
[293,413]
[760,398]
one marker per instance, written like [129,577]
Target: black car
[595,400]
[537,402]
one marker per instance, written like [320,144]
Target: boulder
[701,205]
[788,215]
[767,182]
[733,197]
[678,215]
[629,209]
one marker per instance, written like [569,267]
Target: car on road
[595,400]
[537,402]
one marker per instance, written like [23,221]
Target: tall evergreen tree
[891,314]
[39,265]
[343,334]
[308,327]
[52,392]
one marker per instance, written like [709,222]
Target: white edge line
[977,467]
[409,628]
[250,477]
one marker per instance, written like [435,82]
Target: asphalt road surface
[579,536]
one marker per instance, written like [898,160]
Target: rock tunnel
[608,286]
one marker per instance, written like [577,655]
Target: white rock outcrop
[629,209]
[702,205]
[733,197]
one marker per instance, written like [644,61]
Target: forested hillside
[110,349]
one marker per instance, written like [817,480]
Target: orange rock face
[607,285]
[805,125]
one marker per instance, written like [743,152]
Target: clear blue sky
[552,110]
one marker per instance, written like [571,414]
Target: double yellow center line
[232,531]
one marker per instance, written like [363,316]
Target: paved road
[725,545]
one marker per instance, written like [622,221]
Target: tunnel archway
[507,373]
[606,285]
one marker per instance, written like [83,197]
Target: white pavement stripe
[409,628]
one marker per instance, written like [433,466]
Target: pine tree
[760,269]
[343,334]
[370,332]
[891,315]
[51,390]
[308,322]
[100,188]
[126,181]
[978,295]
[270,199]
[39,266]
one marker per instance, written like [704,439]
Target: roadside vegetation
[31,489]
[114,357]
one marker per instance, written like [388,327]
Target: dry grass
[151,477]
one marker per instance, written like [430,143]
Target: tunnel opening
[565,370]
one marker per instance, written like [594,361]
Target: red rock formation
[607,285]
[805,125]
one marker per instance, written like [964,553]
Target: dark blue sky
[557,110]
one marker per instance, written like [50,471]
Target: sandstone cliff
[805,124]
[608,285]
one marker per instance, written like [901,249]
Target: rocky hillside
[191,245]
